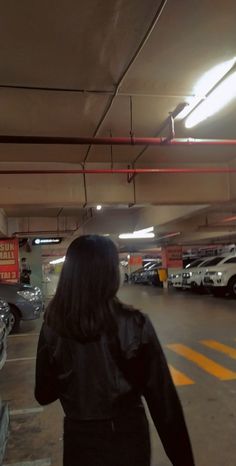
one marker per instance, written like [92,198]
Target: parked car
[151,276]
[4,428]
[178,278]
[175,279]
[221,278]
[146,274]
[3,343]
[5,315]
[136,276]
[25,302]
[194,277]
[4,411]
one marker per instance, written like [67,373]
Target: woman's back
[98,357]
[93,379]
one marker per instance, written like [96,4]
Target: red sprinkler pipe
[131,171]
[118,141]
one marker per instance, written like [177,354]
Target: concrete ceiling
[70,68]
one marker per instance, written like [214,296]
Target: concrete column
[171,260]
[3,223]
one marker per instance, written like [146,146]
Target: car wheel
[14,319]
[193,286]
[232,287]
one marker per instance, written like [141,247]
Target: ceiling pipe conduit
[122,171]
[115,141]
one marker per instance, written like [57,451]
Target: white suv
[194,277]
[221,278]
[178,278]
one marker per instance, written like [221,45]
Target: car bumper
[186,283]
[30,310]
[175,284]
[215,282]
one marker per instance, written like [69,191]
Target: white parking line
[19,412]
[43,462]
[21,359]
[18,335]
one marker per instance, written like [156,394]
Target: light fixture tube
[218,99]
[58,261]
[205,85]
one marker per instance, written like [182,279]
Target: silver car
[25,302]
[3,343]
[5,315]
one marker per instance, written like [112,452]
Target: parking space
[199,339]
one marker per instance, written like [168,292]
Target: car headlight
[3,304]
[218,274]
[28,295]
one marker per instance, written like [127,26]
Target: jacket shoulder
[131,316]
[130,328]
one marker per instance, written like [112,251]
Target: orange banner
[9,260]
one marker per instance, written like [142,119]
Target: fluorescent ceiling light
[58,261]
[139,234]
[134,236]
[205,84]
[144,230]
[218,99]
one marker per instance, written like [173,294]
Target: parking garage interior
[118,119]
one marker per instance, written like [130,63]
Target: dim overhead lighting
[58,261]
[99,207]
[139,234]
[218,99]
[204,86]
[134,236]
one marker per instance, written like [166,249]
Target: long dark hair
[89,281]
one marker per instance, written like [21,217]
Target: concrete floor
[208,393]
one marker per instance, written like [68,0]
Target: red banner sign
[9,260]
[136,261]
[172,257]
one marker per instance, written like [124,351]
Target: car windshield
[195,263]
[213,261]
[153,266]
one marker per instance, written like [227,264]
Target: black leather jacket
[105,378]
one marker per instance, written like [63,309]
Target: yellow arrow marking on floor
[203,362]
[231,352]
[179,378]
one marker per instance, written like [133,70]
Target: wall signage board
[172,257]
[9,260]
[46,241]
